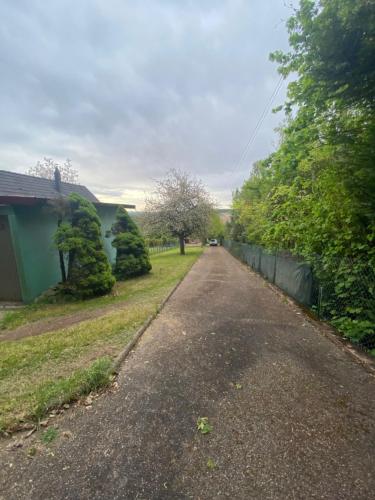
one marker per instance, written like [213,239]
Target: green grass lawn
[167,268]
[38,373]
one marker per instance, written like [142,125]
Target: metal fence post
[274,270]
[320,298]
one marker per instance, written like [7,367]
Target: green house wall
[35,228]
[32,230]
[107,216]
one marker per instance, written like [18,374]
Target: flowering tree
[181,206]
[46,169]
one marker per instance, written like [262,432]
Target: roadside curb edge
[116,365]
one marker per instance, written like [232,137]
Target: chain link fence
[162,247]
[342,293]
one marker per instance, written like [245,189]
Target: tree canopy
[46,169]
[315,195]
[215,228]
[181,207]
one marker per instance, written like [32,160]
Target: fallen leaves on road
[14,445]
[31,431]
[88,401]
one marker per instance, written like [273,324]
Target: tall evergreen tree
[132,255]
[89,271]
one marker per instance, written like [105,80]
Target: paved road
[301,427]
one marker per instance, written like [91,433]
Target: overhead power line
[259,123]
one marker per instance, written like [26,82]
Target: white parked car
[213,242]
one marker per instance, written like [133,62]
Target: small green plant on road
[31,452]
[203,425]
[49,435]
[211,464]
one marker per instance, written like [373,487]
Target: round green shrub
[132,257]
[89,271]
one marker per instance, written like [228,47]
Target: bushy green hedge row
[315,195]
[79,239]
[132,255]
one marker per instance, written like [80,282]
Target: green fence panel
[252,256]
[286,271]
[268,266]
[344,295]
[295,278]
[236,250]
[257,258]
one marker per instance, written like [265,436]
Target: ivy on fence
[345,297]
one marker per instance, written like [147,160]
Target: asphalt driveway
[292,413]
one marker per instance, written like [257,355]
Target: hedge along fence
[284,270]
[349,305]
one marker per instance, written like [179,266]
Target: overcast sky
[129,89]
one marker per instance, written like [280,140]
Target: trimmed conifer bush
[132,255]
[89,271]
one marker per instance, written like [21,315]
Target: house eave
[105,204]
[31,200]
[20,200]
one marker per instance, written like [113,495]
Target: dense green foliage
[215,228]
[315,195]
[132,257]
[89,272]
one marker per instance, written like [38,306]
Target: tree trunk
[182,245]
[62,266]
[71,256]
[61,259]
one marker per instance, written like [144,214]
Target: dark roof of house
[14,185]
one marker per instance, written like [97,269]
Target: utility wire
[259,123]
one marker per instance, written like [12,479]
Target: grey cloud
[130,89]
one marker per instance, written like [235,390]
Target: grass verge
[166,268]
[38,373]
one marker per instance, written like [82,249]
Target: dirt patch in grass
[55,324]
[39,318]
[123,291]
